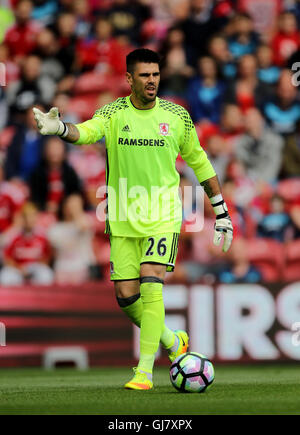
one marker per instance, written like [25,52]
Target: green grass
[236,390]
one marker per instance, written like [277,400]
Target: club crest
[164,129]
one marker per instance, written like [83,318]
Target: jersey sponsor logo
[164,128]
[142,142]
[126,128]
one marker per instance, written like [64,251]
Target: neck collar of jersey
[143,112]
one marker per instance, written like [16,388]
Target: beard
[148,97]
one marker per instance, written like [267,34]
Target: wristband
[64,130]
[219,206]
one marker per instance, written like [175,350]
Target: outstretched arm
[73,134]
[50,124]
[81,134]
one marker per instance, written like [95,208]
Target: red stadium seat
[95,82]
[84,105]
[91,82]
[268,256]
[289,190]
[292,268]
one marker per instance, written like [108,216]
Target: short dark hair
[141,55]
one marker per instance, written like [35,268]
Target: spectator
[12,198]
[21,37]
[282,112]
[54,179]
[267,72]
[243,39]
[82,10]
[286,40]
[67,5]
[264,14]
[103,52]
[240,270]
[294,6]
[199,26]
[231,125]
[27,254]
[260,149]
[218,49]
[167,12]
[175,69]
[127,17]
[25,151]
[291,155]
[71,239]
[89,163]
[12,70]
[44,11]
[47,50]
[32,88]
[205,92]
[247,91]
[65,31]
[216,151]
[277,224]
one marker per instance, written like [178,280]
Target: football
[192,373]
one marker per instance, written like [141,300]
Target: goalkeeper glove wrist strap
[219,206]
[63,130]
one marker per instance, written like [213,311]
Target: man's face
[144,81]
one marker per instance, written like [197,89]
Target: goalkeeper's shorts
[128,253]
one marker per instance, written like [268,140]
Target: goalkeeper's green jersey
[142,148]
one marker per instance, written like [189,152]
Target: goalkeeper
[144,135]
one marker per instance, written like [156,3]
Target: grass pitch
[236,390]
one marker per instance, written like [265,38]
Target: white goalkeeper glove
[49,123]
[223,225]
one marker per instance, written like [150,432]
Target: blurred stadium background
[229,62]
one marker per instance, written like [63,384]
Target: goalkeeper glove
[223,225]
[49,123]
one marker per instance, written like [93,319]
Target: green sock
[152,321]
[146,364]
[167,338]
[133,308]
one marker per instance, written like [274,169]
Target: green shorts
[128,253]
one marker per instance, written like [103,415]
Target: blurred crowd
[231,63]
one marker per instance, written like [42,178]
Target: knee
[153,270]
[126,289]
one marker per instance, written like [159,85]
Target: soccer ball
[192,373]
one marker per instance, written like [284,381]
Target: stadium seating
[266,255]
[92,82]
[84,105]
[292,267]
[289,190]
